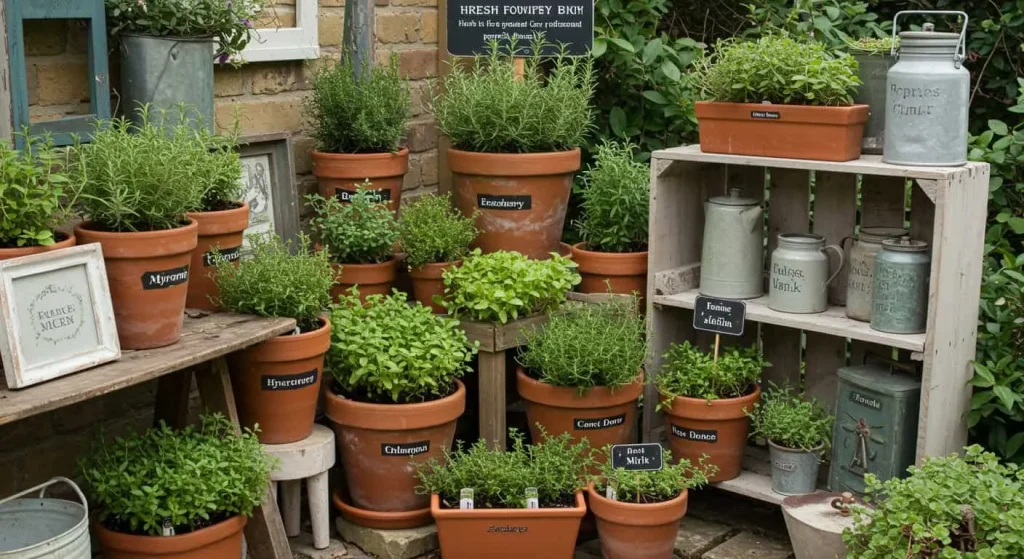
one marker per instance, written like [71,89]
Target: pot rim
[84,226]
[816,450]
[495,164]
[402,152]
[395,417]
[640,512]
[722,406]
[69,240]
[839,116]
[277,343]
[539,392]
[176,38]
[432,270]
[389,262]
[577,511]
[579,247]
[222,222]
[179,544]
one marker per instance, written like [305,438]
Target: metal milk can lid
[733,199]
[879,234]
[930,42]
[904,244]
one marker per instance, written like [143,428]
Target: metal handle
[44,486]
[842,260]
[961,47]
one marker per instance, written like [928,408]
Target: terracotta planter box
[790,131]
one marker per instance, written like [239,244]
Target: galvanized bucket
[874,68]
[794,472]
[40,527]
[167,72]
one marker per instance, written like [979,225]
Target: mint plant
[616,198]
[644,487]
[432,231]
[362,231]
[787,420]
[691,372]
[33,189]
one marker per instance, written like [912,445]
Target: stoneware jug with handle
[800,273]
[731,257]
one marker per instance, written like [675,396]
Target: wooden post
[492,398]
[718,342]
[6,116]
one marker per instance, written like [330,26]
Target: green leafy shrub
[33,188]
[691,372]
[873,45]
[483,107]
[789,421]
[432,231]
[832,22]
[194,478]
[615,201]
[391,352]
[503,286]
[362,231]
[273,281]
[651,486]
[350,113]
[556,467]
[588,345]
[221,170]
[953,506]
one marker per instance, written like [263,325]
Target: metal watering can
[32,528]
[732,258]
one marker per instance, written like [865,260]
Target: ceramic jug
[732,258]
[799,273]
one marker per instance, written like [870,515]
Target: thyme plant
[691,372]
[33,190]
[362,231]
[432,231]
[615,202]
[786,419]
[642,487]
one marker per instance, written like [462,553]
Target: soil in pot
[370,279]
[64,240]
[427,282]
[717,428]
[521,197]
[338,174]
[794,471]
[219,541]
[148,273]
[277,383]
[624,272]
[637,531]
[219,231]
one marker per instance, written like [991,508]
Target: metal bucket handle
[44,486]
[961,47]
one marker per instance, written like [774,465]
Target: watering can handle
[961,46]
[44,486]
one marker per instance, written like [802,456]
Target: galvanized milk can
[928,91]
[732,260]
[44,528]
[861,268]
[899,297]
[799,273]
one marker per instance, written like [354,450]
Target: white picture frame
[301,42]
[56,316]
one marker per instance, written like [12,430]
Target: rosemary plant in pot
[798,433]
[394,394]
[277,382]
[705,404]
[515,143]
[435,237]
[357,123]
[176,494]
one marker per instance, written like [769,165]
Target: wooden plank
[666,325]
[172,392]
[510,335]
[755,481]
[6,114]
[676,280]
[676,217]
[825,355]
[922,215]
[882,201]
[492,398]
[481,332]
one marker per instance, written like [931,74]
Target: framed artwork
[56,317]
[268,179]
[301,42]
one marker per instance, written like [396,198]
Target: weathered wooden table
[206,341]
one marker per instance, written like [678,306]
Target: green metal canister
[860,281]
[899,297]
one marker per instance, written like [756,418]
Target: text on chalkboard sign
[473,24]
[647,457]
[721,316]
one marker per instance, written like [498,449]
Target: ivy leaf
[999,127]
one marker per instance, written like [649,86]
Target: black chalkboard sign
[721,316]
[638,457]
[472,24]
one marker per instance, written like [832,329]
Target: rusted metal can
[861,277]
[899,297]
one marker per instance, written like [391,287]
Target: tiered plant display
[34,191]
[515,134]
[277,382]
[502,524]
[357,122]
[434,237]
[394,395]
[359,236]
[168,493]
[798,431]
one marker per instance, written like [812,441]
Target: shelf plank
[755,481]
[833,321]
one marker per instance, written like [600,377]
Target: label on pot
[598,423]
[163,279]
[404,449]
[709,436]
[511,202]
[506,529]
[230,254]
[345,195]
[866,401]
[720,316]
[466,498]
[784,466]
[532,498]
[765,115]
[647,457]
[289,382]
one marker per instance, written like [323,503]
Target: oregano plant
[692,372]
[646,487]
[433,231]
[34,193]
[788,420]
[363,231]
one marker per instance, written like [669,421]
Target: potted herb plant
[638,512]
[874,58]
[167,493]
[582,372]
[34,190]
[360,237]
[277,382]
[779,97]
[526,502]
[615,201]
[705,404]
[435,237]
[515,143]
[798,432]
[394,394]
[357,122]
[137,182]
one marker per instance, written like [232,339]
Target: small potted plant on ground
[168,493]
[360,237]
[798,432]
[638,512]
[615,202]
[874,58]
[779,97]
[394,395]
[581,373]
[357,122]
[435,237]
[705,404]
[515,138]
[277,382]
[524,502]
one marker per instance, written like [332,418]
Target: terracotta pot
[66,241]
[565,249]
[637,531]
[148,274]
[218,231]
[626,272]
[521,197]
[377,441]
[793,131]
[338,174]
[717,428]
[427,282]
[277,384]
[507,533]
[213,542]
[372,279]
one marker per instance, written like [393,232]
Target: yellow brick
[270,78]
[428,168]
[276,17]
[261,115]
[419,96]
[332,3]
[62,82]
[428,26]
[330,28]
[302,148]
[414,2]
[397,27]
[227,81]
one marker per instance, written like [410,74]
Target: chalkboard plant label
[709,436]
[721,316]
[220,232]
[404,449]
[230,254]
[472,24]
[589,424]
[290,382]
[162,279]
[646,457]
[378,195]
[501,202]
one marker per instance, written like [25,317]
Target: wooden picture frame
[268,176]
[56,316]
[301,42]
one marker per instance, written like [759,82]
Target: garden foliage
[33,188]
[788,420]
[615,201]
[433,231]
[651,486]
[362,231]
[691,372]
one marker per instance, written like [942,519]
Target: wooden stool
[308,459]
